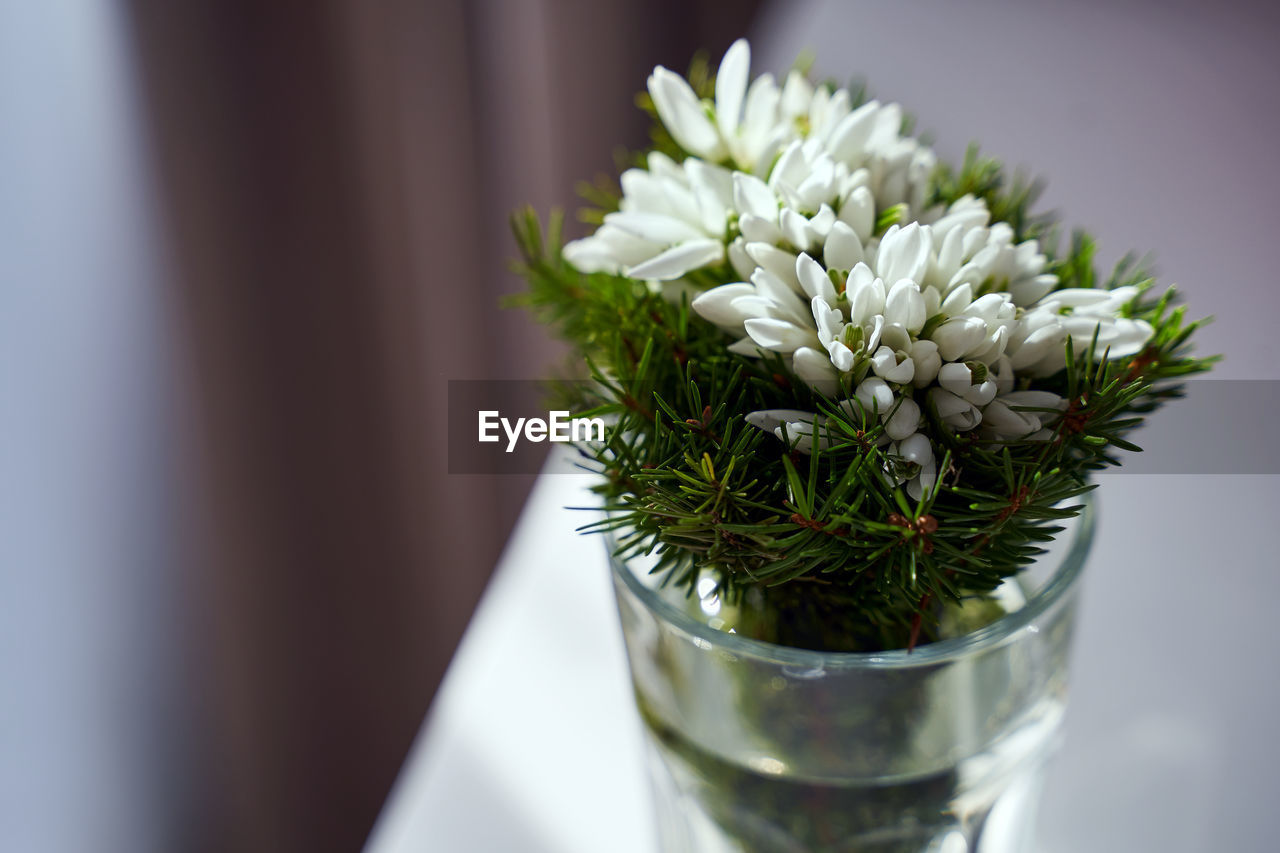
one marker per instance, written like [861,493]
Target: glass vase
[756,748]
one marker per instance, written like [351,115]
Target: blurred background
[243,247]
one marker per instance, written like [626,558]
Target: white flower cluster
[786,185]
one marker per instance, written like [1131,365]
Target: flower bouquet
[854,398]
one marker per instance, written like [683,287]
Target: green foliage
[1008,199]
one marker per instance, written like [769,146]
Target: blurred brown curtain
[335,180]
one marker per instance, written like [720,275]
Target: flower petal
[777,261]
[843,250]
[958,299]
[958,336]
[661,229]
[779,335]
[859,212]
[999,419]
[925,355]
[682,114]
[795,228]
[1032,290]
[875,396]
[815,368]
[797,92]
[849,138]
[904,420]
[904,306]
[769,419]
[829,320]
[886,365]
[716,304]
[739,259]
[678,260]
[757,229]
[956,412]
[904,253]
[776,290]
[814,279]
[759,116]
[752,195]
[731,86]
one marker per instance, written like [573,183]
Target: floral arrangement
[856,387]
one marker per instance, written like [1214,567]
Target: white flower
[894,168]
[746,125]
[833,164]
[976,330]
[793,425]
[903,420]
[868,309]
[673,218]
[911,461]
[1038,345]
[1081,311]
[685,116]
[805,177]
[910,310]
[1022,416]
[908,455]
[964,389]
[786,186]
[956,412]
[873,397]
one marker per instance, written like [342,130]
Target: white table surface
[533,744]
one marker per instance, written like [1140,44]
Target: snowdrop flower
[805,195]
[786,184]
[975,329]
[867,309]
[911,461]
[1082,310]
[833,164]
[963,390]
[868,142]
[793,425]
[803,431]
[873,402]
[908,458]
[805,177]
[900,174]
[1001,421]
[900,421]
[746,125]
[1038,345]
[686,117]
[672,219]
[765,219]
[770,304]
[985,257]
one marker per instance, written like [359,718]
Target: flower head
[764,164]
[938,320]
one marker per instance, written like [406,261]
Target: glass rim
[942,651]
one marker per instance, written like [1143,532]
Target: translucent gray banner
[1221,426]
